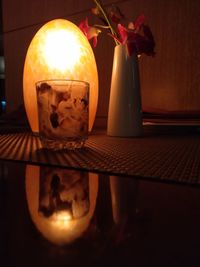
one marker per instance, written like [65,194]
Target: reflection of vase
[125,115]
[124,192]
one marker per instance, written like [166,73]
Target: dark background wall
[2,65]
[170,81]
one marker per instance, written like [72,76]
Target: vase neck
[121,50]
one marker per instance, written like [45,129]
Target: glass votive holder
[63,113]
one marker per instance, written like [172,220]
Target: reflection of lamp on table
[65,221]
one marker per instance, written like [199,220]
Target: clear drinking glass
[63,113]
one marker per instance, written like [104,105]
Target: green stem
[106,18]
[101,26]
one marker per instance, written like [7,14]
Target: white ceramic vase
[125,112]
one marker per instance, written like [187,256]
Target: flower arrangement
[137,37]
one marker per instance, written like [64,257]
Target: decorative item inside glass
[63,112]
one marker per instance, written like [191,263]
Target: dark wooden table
[134,201]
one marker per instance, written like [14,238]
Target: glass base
[70,144]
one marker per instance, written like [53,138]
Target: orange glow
[55,53]
[61,220]
[60,228]
[59,50]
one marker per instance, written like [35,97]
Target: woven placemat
[167,158]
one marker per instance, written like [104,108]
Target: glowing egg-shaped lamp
[59,50]
[59,230]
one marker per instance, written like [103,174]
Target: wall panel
[169,81]
[22,13]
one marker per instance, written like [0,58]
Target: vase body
[125,112]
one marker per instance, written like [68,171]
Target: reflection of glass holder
[63,194]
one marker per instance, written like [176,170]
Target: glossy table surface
[62,217]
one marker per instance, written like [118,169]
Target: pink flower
[89,31]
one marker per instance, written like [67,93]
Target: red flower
[138,37]
[138,23]
[89,31]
